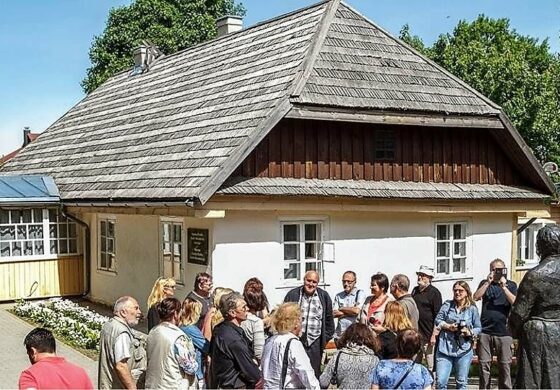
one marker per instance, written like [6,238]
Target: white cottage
[312,140]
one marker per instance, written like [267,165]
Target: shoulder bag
[334,377]
[404,376]
[285,363]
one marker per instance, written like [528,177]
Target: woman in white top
[299,374]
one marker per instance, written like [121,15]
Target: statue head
[548,241]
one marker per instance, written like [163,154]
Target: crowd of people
[389,339]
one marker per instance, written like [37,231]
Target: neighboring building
[313,140]
[40,248]
[28,137]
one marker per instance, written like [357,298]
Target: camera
[498,273]
[460,326]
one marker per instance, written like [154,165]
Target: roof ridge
[315,47]
[429,61]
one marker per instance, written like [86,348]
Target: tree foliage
[517,72]
[171,25]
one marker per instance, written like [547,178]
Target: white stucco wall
[248,244]
[138,258]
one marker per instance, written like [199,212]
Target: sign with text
[197,244]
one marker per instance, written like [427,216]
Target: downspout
[87,249]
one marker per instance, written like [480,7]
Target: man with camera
[497,294]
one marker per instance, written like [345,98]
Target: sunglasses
[173,287]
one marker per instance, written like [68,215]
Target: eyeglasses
[348,281]
[172,287]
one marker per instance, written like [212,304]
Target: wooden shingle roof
[359,65]
[374,189]
[178,131]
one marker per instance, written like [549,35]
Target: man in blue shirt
[347,303]
[497,294]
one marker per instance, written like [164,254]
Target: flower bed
[79,325]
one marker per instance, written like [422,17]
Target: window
[526,245]
[526,250]
[107,248]
[451,248]
[62,234]
[301,242]
[384,145]
[36,233]
[172,250]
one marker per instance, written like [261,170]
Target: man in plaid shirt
[317,317]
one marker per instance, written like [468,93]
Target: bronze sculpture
[535,317]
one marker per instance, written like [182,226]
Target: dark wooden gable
[353,151]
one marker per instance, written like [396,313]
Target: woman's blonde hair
[218,293]
[396,318]
[286,317]
[190,312]
[468,301]
[157,295]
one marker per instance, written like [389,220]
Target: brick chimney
[229,24]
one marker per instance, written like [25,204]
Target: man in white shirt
[347,303]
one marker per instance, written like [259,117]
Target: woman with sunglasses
[163,288]
[458,322]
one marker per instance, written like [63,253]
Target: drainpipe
[87,249]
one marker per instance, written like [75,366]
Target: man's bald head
[310,282]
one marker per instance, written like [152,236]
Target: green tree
[517,72]
[171,25]
[413,41]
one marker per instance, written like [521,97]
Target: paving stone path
[12,352]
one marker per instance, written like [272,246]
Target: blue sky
[44,43]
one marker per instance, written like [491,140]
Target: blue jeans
[460,365]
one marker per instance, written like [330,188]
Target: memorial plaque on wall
[197,244]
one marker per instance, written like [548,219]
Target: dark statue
[535,317]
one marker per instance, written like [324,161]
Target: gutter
[190,202]
[87,249]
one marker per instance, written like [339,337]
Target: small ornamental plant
[79,325]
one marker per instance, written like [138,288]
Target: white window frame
[452,254]
[182,264]
[530,232]
[100,252]
[301,222]
[61,223]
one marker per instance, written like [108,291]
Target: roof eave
[541,177]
